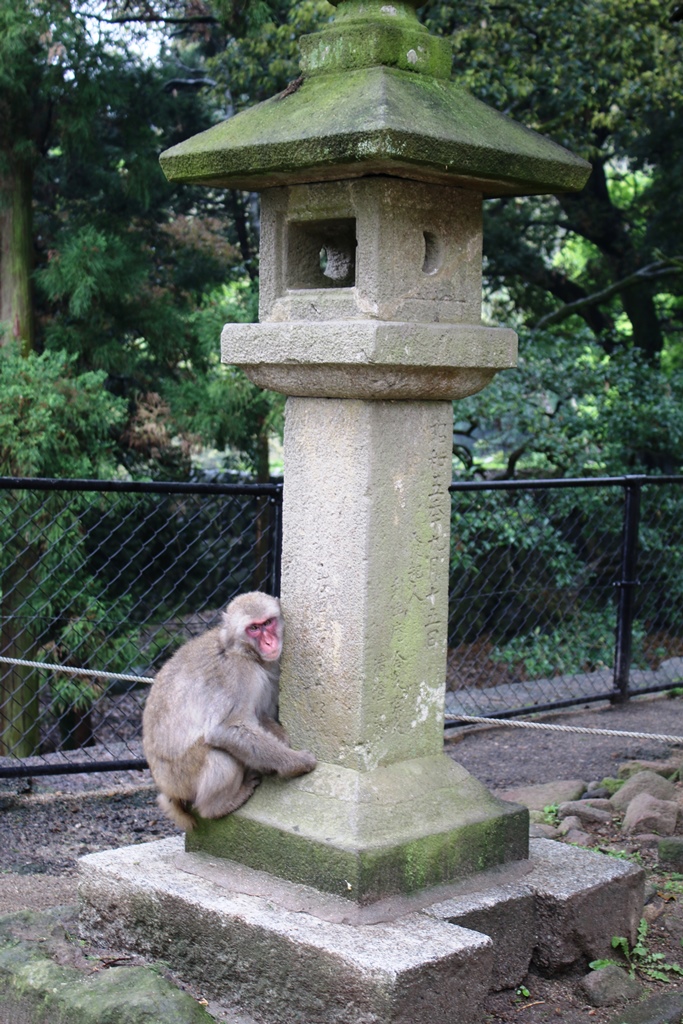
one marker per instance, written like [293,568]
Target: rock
[646,841]
[644,782]
[652,912]
[537,818]
[666,768]
[579,838]
[608,986]
[570,824]
[670,852]
[665,1008]
[538,830]
[672,920]
[45,976]
[588,814]
[598,802]
[545,794]
[596,791]
[645,813]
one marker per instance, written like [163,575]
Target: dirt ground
[44,830]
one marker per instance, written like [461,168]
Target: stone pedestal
[366,522]
[288,954]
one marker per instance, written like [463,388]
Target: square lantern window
[321,253]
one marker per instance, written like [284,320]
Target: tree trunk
[592,214]
[639,307]
[16,256]
[19,685]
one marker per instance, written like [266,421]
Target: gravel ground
[506,757]
[44,829]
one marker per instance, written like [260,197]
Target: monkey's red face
[266,636]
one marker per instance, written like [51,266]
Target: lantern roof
[375,96]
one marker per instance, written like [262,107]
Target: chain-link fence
[562,592]
[108,577]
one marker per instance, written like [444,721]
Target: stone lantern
[372,168]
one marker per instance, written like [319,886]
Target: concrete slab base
[287,953]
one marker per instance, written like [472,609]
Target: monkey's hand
[258,748]
[302,763]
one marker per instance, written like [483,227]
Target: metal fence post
[626,585]
[275,550]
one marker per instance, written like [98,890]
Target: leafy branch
[652,272]
[640,958]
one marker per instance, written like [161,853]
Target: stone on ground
[670,852]
[665,1008]
[645,813]
[608,986]
[643,782]
[666,768]
[35,988]
[544,794]
[585,812]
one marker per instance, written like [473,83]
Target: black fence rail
[106,576]
[562,592]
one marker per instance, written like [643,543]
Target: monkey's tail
[177,811]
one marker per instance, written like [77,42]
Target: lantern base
[290,955]
[368,835]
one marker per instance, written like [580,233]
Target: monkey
[209,727]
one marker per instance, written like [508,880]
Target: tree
[570,409]
[99,256]
[604,79]
[49,416]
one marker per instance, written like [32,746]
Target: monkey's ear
[227,627]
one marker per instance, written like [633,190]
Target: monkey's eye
[253,628]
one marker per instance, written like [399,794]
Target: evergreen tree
[605,79]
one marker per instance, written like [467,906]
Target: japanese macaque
[209,727]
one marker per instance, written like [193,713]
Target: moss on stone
[365,44]
[367,874]
[375,120]
[36,990]
[368,835]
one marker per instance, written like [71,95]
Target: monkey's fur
[209,725]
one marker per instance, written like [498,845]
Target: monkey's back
[200,684]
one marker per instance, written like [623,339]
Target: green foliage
[255,65]
[612,785]
[551,815]
[632,856]
[72,692]
[606,80]
[222,405]
[582,642]
[639,958]
[673,885]
[570,409]
[92,269]
[53,420]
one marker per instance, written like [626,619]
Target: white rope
[517,724]
[68,670]
[476,720]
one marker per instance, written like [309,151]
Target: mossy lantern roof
[375,96]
